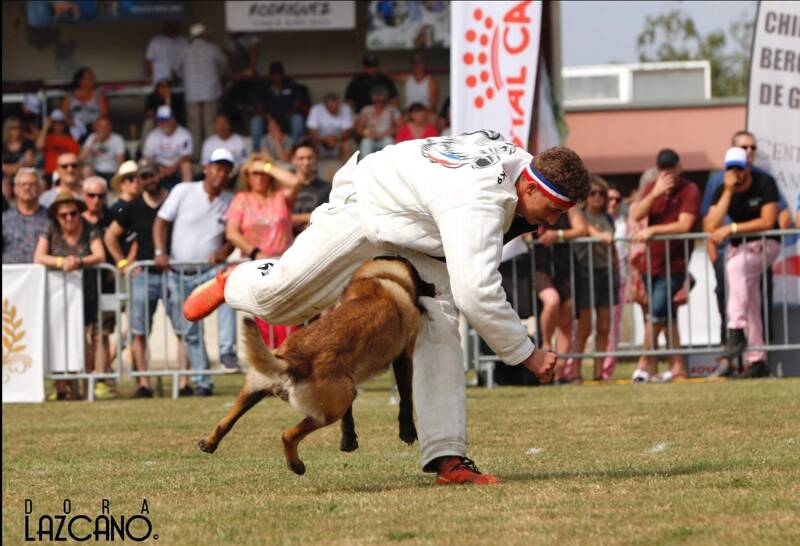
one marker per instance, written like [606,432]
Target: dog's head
[400,271]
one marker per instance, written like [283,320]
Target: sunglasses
[594,193]
[615,199]
[130,179]
[68,166]
[146,176]
[754,148]
[68,214]
[95,195]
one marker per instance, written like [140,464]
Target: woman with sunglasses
[70,244]
[614,210]
[259,220]
[596,289]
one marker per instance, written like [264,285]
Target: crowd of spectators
[176,200]
[581,288]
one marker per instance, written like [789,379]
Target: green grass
[728,471]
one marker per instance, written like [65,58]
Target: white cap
[58,115]
[164,112]
[197,29]
[736,157]
[32,103]
[221,155]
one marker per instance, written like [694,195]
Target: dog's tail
[259,356]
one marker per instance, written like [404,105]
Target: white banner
[290,15]
[65,330]
[773,116]
[493,61]
[23,333]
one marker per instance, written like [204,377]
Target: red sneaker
[206,297]
[458,470]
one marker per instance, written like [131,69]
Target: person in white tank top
[420,86]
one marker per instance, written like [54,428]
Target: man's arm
[663,184]
[719,210]
[473,256]
[111,239]
[160,227]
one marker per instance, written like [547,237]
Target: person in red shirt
[671,205]
[54,140]
[418,125]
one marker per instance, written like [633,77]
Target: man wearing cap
[196,212]
[134,226]
[358,94]
[330,127]
[671,204]
[170,146]
[224,137]
[747,142]
[751,201]
[201,65]
[446,204]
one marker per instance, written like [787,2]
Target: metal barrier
[146,271]
[106,303]
[485,363]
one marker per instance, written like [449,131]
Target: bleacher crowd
[196,191]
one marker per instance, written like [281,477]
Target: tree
[673,36]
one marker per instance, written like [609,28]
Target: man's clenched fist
[542,364]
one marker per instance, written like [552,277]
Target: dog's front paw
[298,467]
[408,433]
[206,447]
[348,443]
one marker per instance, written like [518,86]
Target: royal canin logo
[487,41]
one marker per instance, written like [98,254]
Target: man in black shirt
[358,94]
[138,218]
[283,99]
[750,199]
[313,191]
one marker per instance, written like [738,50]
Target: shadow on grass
[623,473]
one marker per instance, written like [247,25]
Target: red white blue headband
[549,189]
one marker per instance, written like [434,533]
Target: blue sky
[597,32]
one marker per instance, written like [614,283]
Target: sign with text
[23,333]
[493,59]
[773,116]
[290,15]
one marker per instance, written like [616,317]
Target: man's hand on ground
[541,363]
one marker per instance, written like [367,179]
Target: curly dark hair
[564,168]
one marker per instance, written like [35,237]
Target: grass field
[692,463]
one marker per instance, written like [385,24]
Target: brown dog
[317,368]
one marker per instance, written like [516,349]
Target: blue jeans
[146,290]
[660,298]
[369,145]
[258,126]
[180,286]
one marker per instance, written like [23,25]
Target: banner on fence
[65,330]
[773,116]
[23,333]
[290,15]
[493,62]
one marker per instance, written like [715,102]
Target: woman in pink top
[417,125]
[259,220]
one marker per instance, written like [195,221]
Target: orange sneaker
[206,297]
[458,470]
